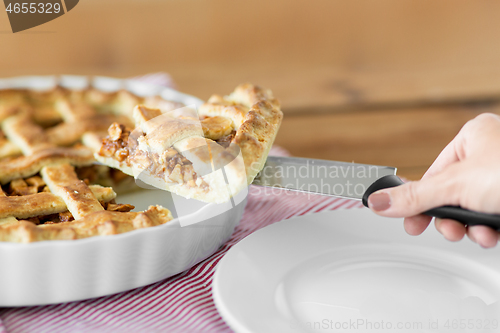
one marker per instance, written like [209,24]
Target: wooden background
[386,81]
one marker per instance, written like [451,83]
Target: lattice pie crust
[46,171]
[49,142]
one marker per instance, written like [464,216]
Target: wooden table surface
[407,138]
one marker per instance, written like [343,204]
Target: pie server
[352,181]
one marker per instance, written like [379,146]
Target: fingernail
[379,201]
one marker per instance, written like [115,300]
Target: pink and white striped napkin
[182,303]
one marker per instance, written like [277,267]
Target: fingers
[450,229]
[449,182]
[455,231]
[484,236]
[416,225]
[414,198]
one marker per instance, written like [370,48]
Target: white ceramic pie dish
[63,271]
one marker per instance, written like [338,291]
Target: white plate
[63,271]
[353,271]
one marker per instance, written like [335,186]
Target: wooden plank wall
[386,81]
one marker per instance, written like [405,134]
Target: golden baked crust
[47,143]
[210,159]
[96,224]
[258,128]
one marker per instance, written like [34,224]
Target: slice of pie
[210,156]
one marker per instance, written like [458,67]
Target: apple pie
[53,188]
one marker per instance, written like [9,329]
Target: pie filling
[226,140]
[101,175]
[116,143]
[170,165]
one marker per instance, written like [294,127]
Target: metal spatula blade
[340,179]
[352,181]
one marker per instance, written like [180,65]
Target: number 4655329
[41,8]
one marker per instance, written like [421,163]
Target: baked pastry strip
[100,223]
[37,148]
[44,203]
[25,166]
[23,132]
[63,182]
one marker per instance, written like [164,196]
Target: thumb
[416,197]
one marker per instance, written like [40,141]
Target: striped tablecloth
[182,303]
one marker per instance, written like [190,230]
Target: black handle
[462,215]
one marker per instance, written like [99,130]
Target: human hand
[466,174]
